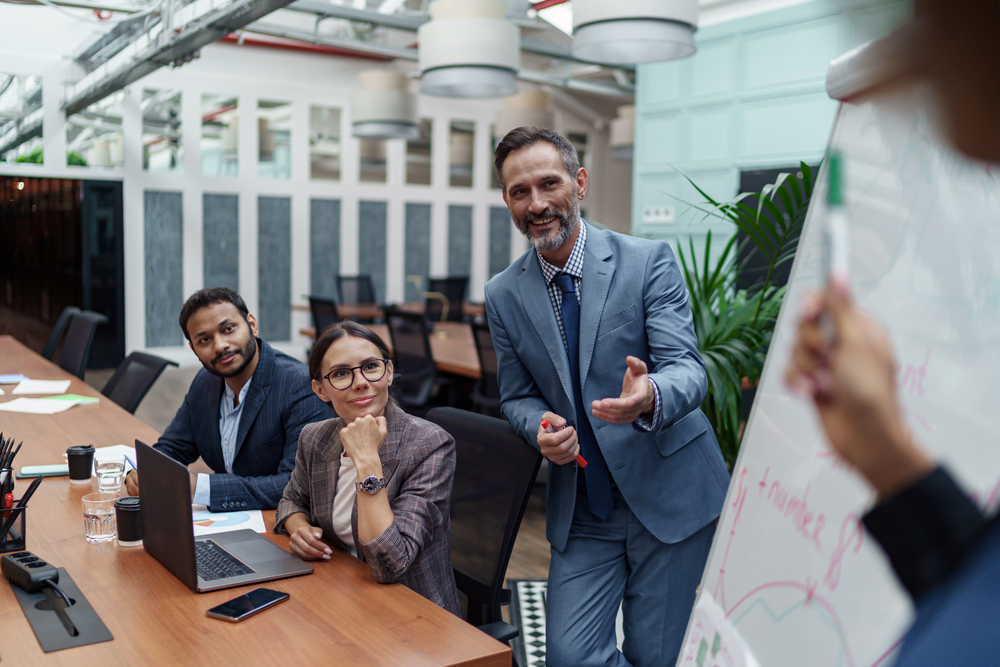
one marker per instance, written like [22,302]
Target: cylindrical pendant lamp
[623,133]
[467,49]
[100,154]
[523,109]
[625,32]
[384,108]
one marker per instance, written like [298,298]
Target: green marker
[837,257]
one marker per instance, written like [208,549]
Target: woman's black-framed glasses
[372,370]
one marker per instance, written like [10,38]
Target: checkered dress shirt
[574,267]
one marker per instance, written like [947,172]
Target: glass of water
[109,471]
[99,516]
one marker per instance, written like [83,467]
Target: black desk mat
[47,626]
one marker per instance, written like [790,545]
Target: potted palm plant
[734,325]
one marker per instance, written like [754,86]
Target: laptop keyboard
[214,562]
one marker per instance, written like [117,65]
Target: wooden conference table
[452,344]
[337,615]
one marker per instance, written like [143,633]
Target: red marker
[8,502]
[551,429]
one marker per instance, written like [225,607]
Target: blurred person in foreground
[944,551]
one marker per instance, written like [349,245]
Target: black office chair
[452,289]
[494,474]
[324,313]
[79,336]
[57,331]
[133,379]
[414,372]
[486,392]
[356,289]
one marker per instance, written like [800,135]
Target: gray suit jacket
[634,302]
[418,461]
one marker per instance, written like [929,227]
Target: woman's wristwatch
[371,484]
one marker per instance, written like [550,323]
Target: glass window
[161,130]
[274,139]
[579,141]
[94,136]
[20,118]
[494,140]
[324,143]
[460,148]
[372,168]
[220,132]
[418,156]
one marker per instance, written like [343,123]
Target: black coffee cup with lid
[129,520]
[81,463]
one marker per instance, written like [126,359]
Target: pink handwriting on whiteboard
[795,508]
[851,533]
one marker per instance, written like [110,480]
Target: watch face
[371,484]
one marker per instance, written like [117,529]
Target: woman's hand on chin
[362,439]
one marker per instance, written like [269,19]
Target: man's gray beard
[550,242]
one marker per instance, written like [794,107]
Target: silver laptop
[211,562]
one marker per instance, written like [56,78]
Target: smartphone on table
[247,605]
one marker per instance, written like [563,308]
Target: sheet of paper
[42,387]
[12,378]
[207,523]
[713,641]
[46,406]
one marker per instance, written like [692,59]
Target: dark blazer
[418,462]
[633,303]
[278,404]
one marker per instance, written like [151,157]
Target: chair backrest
[414,370]
[324,313]
[494,474]
[57,331]
[453,289]
[488,364]
[356,289]
[76,349]
[133,379]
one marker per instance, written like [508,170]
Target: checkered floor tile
[527,613]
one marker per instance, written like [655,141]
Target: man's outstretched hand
[637,396]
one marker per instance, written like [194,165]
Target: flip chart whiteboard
[790,566]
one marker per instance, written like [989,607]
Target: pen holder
[16,522]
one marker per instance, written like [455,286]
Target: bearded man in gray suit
[593,335]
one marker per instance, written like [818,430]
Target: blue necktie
[596,472]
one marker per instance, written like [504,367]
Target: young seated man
[243,412]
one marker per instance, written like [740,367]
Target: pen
[134,466]
[549,428]
[8,502]
[9,463]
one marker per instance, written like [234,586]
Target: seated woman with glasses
[374,481]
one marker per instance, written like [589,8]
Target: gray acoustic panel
[372,243]
[221,233]
[164,227]
[324,247]
[274,268]
[418,250]
[499,251]
[459,240]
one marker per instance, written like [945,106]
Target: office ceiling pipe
[383,107]
[623,133]
[523,109]
[633,31]
[467,49]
